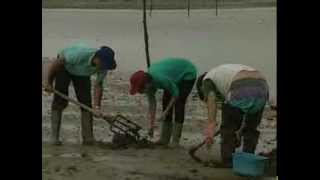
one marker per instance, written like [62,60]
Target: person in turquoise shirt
[176,76]
[77,63]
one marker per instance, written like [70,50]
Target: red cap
[137,81]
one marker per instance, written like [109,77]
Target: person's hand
[209,133]
[48,88]
[97,111]
[209,141]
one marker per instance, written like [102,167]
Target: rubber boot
[56,116]
[87,128]
[165,135]
[177,131]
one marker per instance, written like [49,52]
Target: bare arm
[98,90]
[171,103]
[152,109]
[53,69]
[212,113]
[97,94]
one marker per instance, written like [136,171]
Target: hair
[199,86]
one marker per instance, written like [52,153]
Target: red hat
[137,81]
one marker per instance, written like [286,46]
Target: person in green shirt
[176,76]
[77,63]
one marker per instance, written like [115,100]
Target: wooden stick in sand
[151,7]
[146,38]
[188,8]
[216,7]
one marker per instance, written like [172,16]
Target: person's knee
[84,111]
[168,117]
[179,120]
[250,132]
[86,101]
[59,106]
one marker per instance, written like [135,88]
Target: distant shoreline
[159,10]
[173,4]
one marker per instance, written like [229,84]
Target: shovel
[193,150]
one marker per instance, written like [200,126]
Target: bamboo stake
[216,7]
[151,8]
[146,39]
[188,8]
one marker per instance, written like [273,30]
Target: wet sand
[206,39]
[72,161]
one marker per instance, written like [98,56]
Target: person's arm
[97,95]
[98,90]
[52,72]
[171,103]
[152,109]
[174,91]
[210,99]
[212,113]
[152,112]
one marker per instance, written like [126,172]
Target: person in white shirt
[243,92]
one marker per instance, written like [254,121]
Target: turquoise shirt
[169,72]
[77,61]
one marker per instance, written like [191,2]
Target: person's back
[176,77]
[223,76]
[77,59]
[76,64]
[175,69]
[243,92]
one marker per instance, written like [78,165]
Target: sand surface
[237,36]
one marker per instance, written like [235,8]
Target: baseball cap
[137,81]
[106,54]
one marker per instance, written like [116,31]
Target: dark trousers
[231,121]
[185,88]
[82,87]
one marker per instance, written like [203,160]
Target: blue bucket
[247,164]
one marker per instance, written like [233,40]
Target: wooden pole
[146,39]
[216,7]
[188,8]
[151,7]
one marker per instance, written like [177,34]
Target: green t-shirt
[169,72]
[77,61]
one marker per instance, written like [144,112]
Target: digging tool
[119,124]
[238,133]
[193,150]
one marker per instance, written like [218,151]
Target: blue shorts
[249,95]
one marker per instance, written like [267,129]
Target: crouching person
[176,76]
[77,63]
[244,93]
